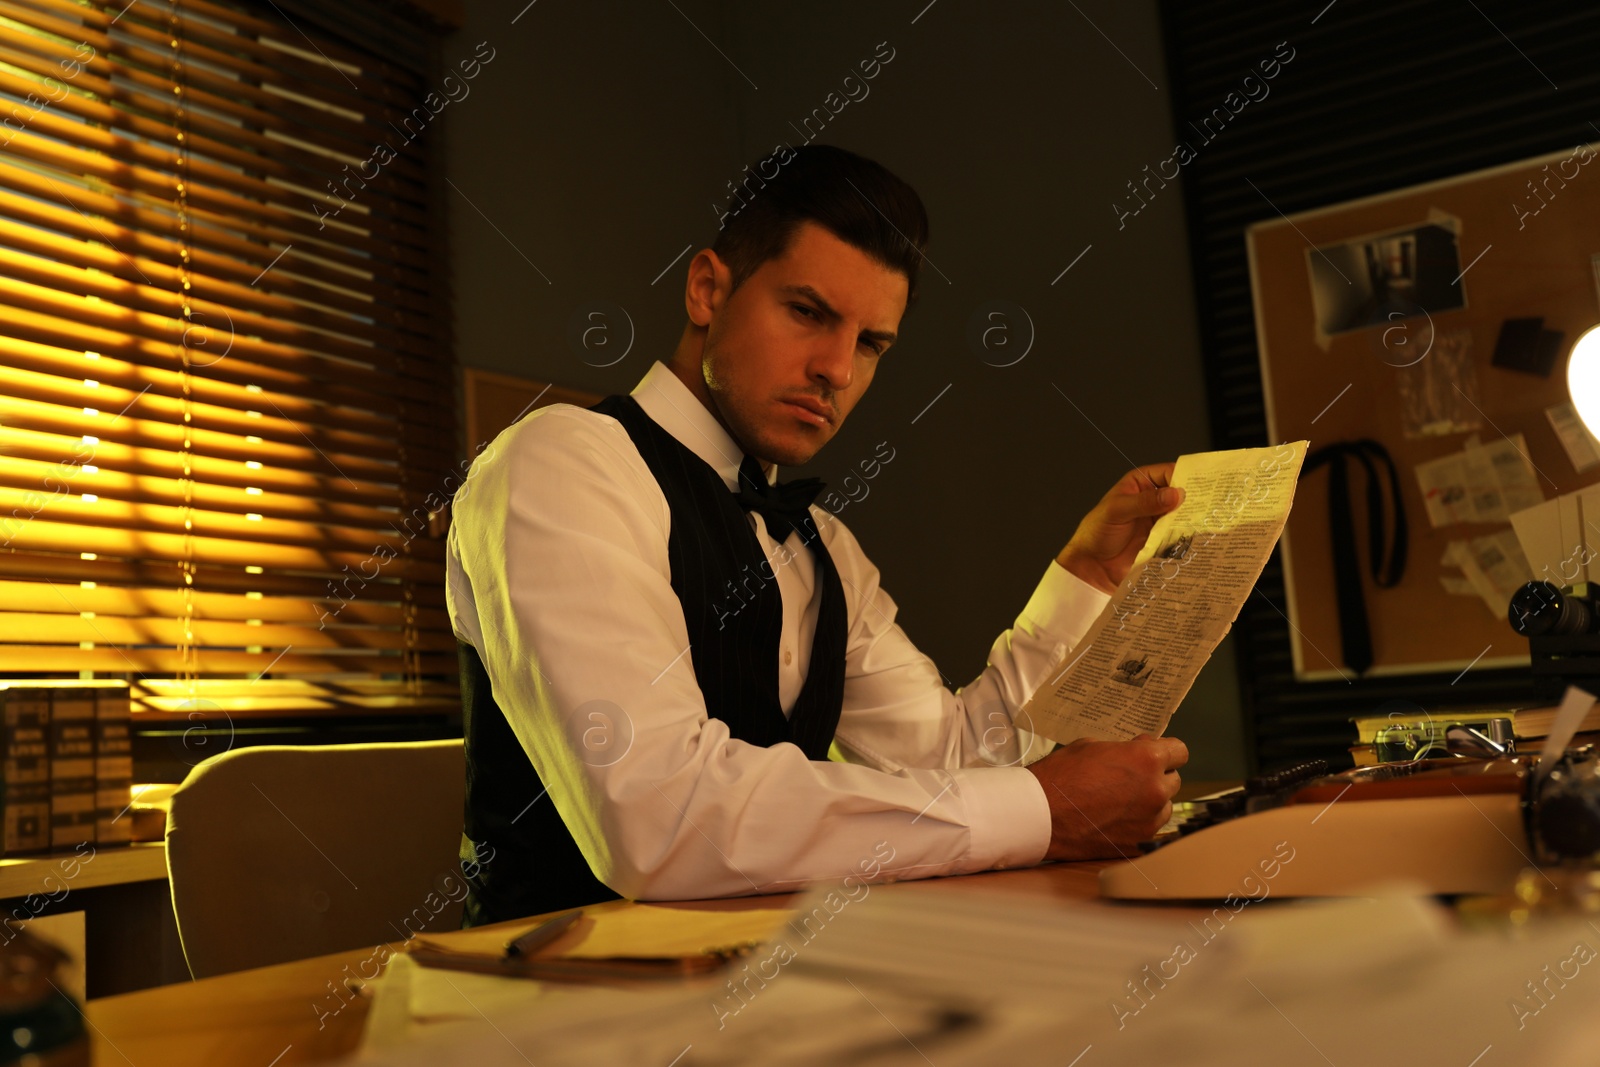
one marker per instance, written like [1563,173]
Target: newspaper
[1178,600]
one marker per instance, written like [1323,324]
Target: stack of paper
[920,973]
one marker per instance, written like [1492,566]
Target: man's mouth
[811,410]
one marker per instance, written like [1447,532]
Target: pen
[542,935]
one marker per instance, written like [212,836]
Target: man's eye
[809,312]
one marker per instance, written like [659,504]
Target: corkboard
[1517,264]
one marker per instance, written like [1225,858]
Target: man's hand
[1107,796]
[1110,536]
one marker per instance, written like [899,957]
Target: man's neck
[690,375]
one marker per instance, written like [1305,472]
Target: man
[661,647]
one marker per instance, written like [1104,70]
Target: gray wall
[597,140]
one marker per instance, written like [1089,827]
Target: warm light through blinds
[226,393]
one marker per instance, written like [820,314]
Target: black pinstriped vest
[517,853]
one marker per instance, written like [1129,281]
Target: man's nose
[834,359]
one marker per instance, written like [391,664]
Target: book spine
[25,767]
[113,768]
[72,804]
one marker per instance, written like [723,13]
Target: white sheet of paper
[1495,568]
[1581,447]
[1178,600]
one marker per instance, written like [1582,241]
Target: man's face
[806,327]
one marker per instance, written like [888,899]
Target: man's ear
[707,287]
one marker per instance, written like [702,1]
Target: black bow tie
[783,506]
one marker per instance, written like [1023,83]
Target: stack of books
[66,765]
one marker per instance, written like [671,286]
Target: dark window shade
[227,401]
[1378,97]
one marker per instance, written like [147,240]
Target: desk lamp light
[1583,378]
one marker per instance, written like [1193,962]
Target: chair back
[280,852]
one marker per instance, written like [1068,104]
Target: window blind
[227,425]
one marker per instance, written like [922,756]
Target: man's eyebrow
[886,336]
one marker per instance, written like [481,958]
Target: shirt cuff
[1063,605]
[1008,815]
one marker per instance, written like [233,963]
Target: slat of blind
[67,575]
[252,56]
[185,712]
[105,426]
[57,322]
[80,284]
[274,113]
[47,363]
[92,255]
[266,220]
[105,600]
[135,45]
[63,80]
[285,688]
[127,307]
[51,527]
[31,518]
[222,142]
[265,417]
[24,475]
[278,210]
[58,628]
[229,375]
[33,659]
[260,27]
[208,470]
[132,229]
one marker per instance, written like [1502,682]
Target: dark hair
[855,199]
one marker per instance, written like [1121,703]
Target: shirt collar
[679,412]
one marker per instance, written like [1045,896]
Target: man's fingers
[1129,506]
[1148,476]
[1172,753]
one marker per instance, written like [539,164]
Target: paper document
[645,931]
[1481,483]
[1178,600]
[1493,567]
[1581,447]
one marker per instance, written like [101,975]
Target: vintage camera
[1544,609]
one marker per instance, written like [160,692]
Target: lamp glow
[1583,378]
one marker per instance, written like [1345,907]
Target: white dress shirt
[557,572]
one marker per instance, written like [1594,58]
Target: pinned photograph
[1382,279]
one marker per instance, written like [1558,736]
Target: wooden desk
[131,939]
[49,873]
[270,1016]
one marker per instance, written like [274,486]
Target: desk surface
[94,865]
[275,1015]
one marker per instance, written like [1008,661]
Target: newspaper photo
[1178,601]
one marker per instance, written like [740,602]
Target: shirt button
[788,657]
